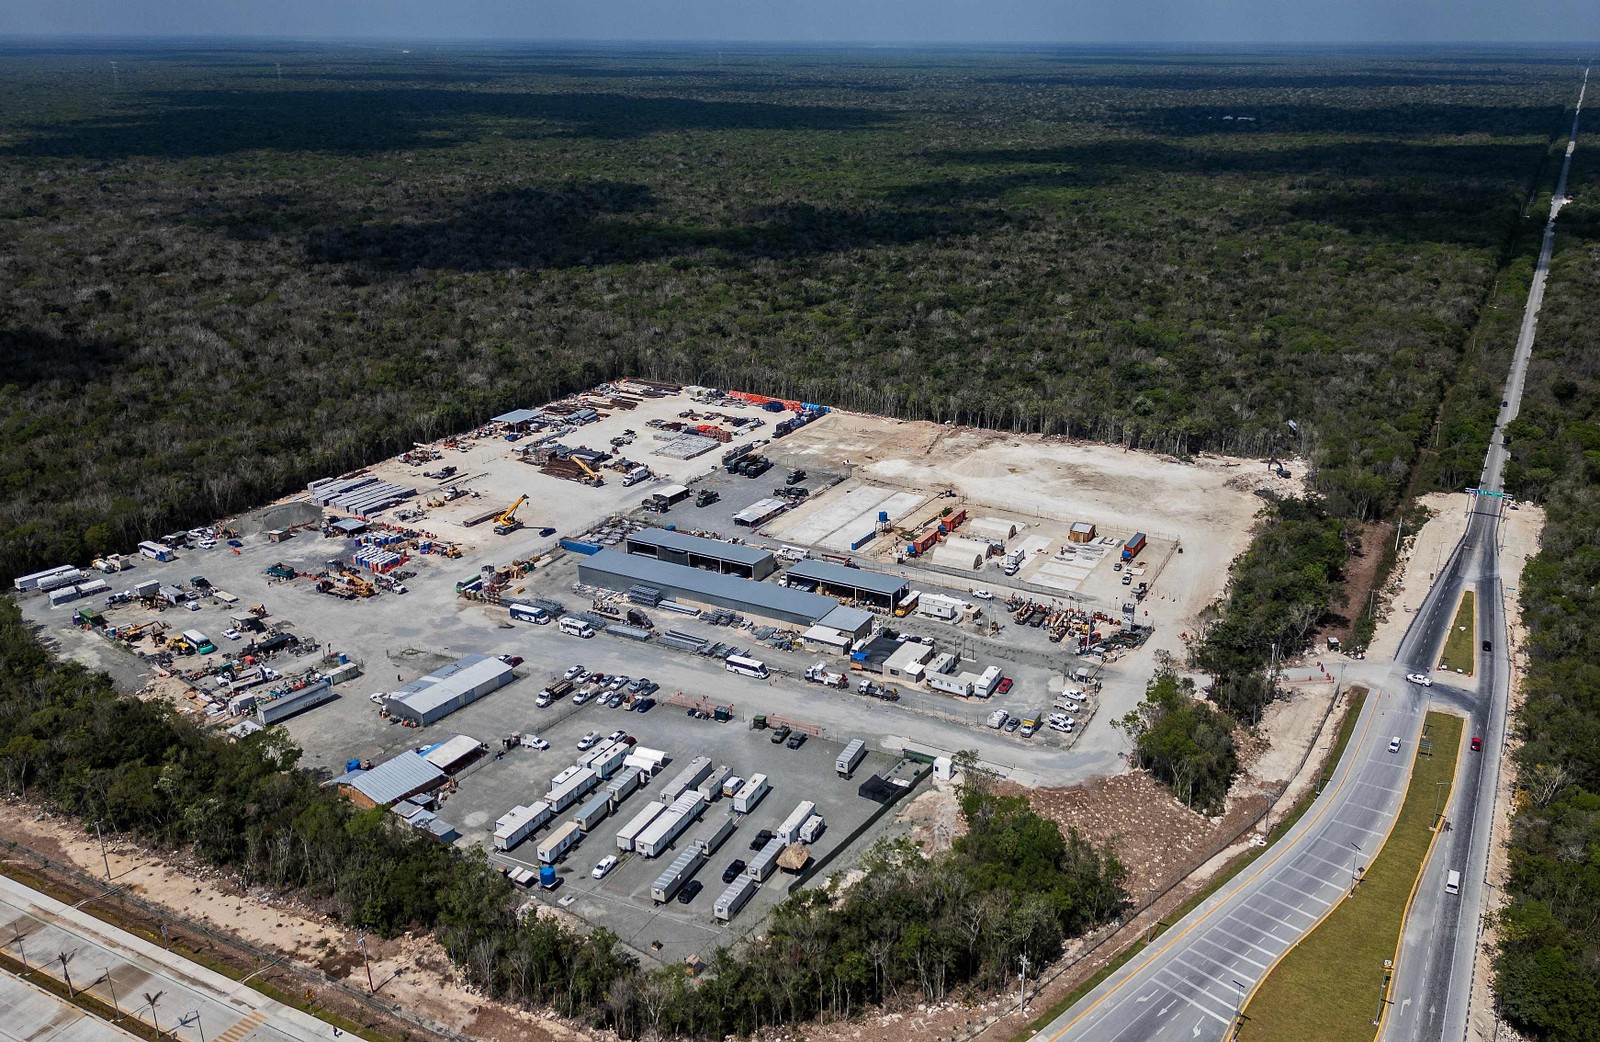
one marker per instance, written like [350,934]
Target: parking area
[274,605]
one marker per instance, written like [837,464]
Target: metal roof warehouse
[619,571]
[858,584]
[449,688]
[751,562]
[391,781]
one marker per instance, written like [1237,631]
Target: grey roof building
[440,693]
[750,562]
[619,571]
[857,584]
[393,780]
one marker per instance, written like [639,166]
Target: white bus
[576,627]
[747,666]
[528,613]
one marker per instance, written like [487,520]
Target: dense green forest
[1184,743]
[1548,967]
[229,271]
[914,926]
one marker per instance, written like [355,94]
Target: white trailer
[851,758]
[619,787]
[643,764]
[761,866]
[559,842]
[25,583]
[593,812]
[716,837]
[812,829]
[658,837]
[789,831]
[610,760]
[687,778]
[572,790]
[655,756]
[519,823]
[683,867]
[734,898]
[641,821]
[711,787]
[745,800]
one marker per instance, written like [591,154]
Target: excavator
[507,522]
[591,475]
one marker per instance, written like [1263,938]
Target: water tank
[547,876]
[352,765]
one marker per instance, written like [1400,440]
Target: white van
[1394,744]
[1452,883]
[576,627]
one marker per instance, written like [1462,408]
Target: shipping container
[573,789]
[640,821]
[746,799]
[789,831]
[658,838]
[559,842]
[761,866]
[1131,548]
[851,758]
[716,837]
[519,823]
[682,869]
[734,898]
[687,778]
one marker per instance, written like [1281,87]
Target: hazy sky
[817,21]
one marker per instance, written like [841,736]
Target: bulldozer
[507,522]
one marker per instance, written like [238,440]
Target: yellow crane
[507,522]
[594,478]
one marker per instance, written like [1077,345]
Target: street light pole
[1437,796]
[1238,1006]
[1356,850]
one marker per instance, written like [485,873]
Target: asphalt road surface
[1192,982]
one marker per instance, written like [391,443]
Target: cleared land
[1328,986]
[1460,652]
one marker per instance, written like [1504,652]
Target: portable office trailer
[63,595]
[851,758]
[716,837]
[643,764]
[683,867]
[745,800]
[711,786]
[593,812]
[640,821]
[687,778]
[812,829]
[734,898]
[658,837]
[623,784]
[519,823]
[559,842]
[761,866]
[298,700]
[610,760]
[655,756]
[789,831]
[573,789]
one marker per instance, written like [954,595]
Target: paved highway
[1192,982]
[1433,981]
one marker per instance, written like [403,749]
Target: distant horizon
[406,42]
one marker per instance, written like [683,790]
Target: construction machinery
[359,586]
[506,521]
[592,476]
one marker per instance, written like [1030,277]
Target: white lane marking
[1190,1001]
[1358,828]
[1232,954]
[1268,952]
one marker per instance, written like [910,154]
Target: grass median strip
[1357,698]
[1328,988]
[1460,645]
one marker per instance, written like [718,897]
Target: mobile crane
[507,522]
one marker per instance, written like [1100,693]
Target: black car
[644,705]
[731,873]
[797,739]
[690,891]
[762,839]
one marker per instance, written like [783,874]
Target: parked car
[690,891]
[617,735]
[762,839]
[796,740]
[588,741]
[731,873]
[779,735]
[618,682]
[637,684]
[644,705]
[511,660]
[1004,687]
[606,864]
[231,633]
[1013,723]
[533,741]
[574,673]
[616,699]
[983,595]
[1419,678]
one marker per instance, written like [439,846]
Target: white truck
[821,674]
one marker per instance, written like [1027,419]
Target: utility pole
[103,856]
[1022,988]
[361,942]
